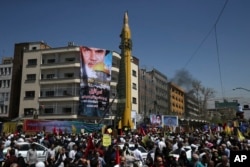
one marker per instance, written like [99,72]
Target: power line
[218,59]
[207,35]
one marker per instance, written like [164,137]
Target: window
[30,94]
[69,75]
[31,77]
[67,110]
[51,61]
[32,62]
[28,111]
[70,59]
[48,110]
[134,86]
[50,76]
[134,100]
[50,93]
[134,73]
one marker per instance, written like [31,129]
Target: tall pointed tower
[124,81]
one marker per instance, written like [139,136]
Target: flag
[228,130]
[142,132]
[73,128]
[90,145]
[54,131]
[117,156]
[236,123]
[239,135]
[145,139]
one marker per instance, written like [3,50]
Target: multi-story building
[135,84]
[153,92]
[161,92]
[19,50]
[50,83]
[5,86]
[191,107]
[147,96]
[176,100]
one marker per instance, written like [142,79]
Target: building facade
[176,100]
[161,92]
[147,95]
[5,86]
[19,50]
[153,92]
[50,84]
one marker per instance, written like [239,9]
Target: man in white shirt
[137,153]
[72,153]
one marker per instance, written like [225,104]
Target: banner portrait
[170,120]
[95,81]
[156,120]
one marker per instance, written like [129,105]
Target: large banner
[95,81]
[156,120]
[170,120]
[52,126]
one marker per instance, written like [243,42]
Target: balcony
[59,109]
[56,65]
[60,80]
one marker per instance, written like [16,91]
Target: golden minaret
[124,81]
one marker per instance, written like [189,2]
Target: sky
[168,35]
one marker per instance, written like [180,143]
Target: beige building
[50,84]
[5,86]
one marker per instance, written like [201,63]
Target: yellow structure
[124,83]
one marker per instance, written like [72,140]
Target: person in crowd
[122,162]
[137,153]
[182,160]
[32,156]
[100,159]
[179,149]
[11,158]
[225,150]
[72,153]
[224,162]
[1,153]
[159,162]
[51,155]
[60,157]
[196,162]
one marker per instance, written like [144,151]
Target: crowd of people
[164,149]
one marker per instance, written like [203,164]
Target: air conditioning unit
[70,43]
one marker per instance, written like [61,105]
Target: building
[5,87]
[50,84]
[147,92]
[160,102]
[191,107]
[153,92]
[176,100]
[19,50]
[135,84]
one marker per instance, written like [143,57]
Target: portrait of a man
[95,73]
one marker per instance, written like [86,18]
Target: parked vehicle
[188,151]
[23,148]
[131,147]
